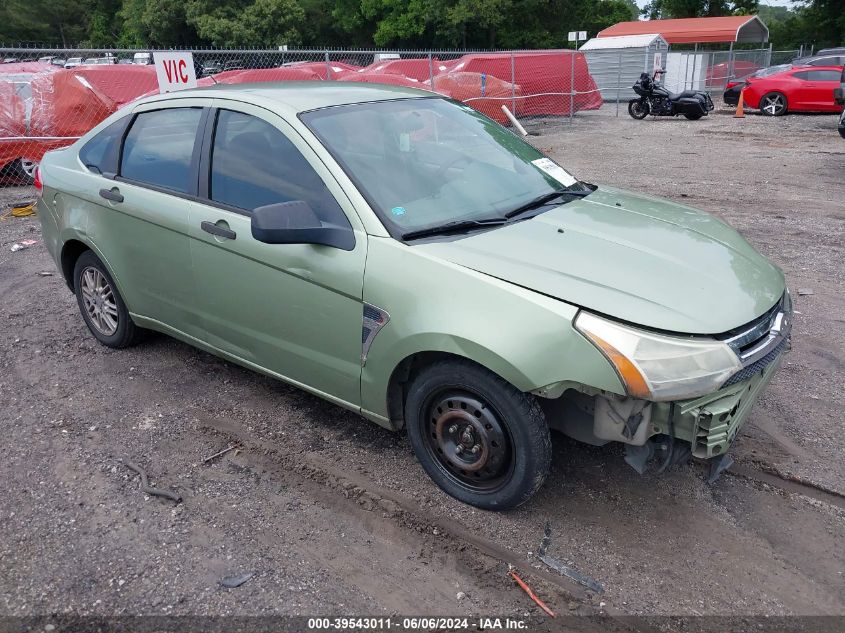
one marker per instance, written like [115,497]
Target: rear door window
[253,164]
[159,148]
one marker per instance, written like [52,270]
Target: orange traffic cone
[740,113]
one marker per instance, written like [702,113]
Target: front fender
[437,306]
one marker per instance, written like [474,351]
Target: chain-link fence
[51,97]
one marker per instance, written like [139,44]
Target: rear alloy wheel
[101,305]
[27,169]
[773,104]
[479,438]
[20,171]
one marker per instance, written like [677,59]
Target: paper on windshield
[555,171]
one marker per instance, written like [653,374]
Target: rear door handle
[219,231]
[112,194]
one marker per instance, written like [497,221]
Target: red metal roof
[731,28]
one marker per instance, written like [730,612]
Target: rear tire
[773,104]
[478,437]
[693,116]
[101,305]
[638,109]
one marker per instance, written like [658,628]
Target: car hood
[633,257]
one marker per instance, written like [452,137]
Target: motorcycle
[658,101]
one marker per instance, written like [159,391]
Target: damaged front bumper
[705,427]
[711,423]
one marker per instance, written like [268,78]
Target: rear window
[159,147]
[824,75]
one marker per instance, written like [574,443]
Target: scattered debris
[804,292]
[45,273]
[230,582]
[20,210]
[562,569]
[19,246]
[231,447]
[530,593]
[145,484]
[460,595]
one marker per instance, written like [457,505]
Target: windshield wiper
[545,199]
[454,226]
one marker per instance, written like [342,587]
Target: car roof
[301,96]
[837,67]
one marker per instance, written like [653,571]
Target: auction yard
[334,515]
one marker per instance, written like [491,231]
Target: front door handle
[112,194]
[219,231]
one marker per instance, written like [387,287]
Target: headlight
[658,366]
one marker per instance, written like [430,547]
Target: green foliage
[386,23]
[62,22]
[241,23]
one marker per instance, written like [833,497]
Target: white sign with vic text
[175,71]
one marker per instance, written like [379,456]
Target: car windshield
[772,70]
[425,164]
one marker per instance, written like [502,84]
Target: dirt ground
[333,514]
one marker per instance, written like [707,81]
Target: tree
[155,23]
[62,22]
[596,16]
[663,9]
[234,23]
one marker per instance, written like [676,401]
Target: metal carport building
[703,67]
[730,28]
[616,62]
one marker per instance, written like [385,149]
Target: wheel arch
[71,251]
[411,364]
[72,248]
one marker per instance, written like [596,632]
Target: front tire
[638,109]
[773,104]
[101,305]
[478,437]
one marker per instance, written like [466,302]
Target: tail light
[39,186]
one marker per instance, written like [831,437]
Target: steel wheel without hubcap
[468,441]
[98,298]
[773,104]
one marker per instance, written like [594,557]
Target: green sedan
[405,257]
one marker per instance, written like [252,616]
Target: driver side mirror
[296,223]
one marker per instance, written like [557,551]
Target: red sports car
[798,89]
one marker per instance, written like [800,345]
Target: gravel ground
[334,516]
